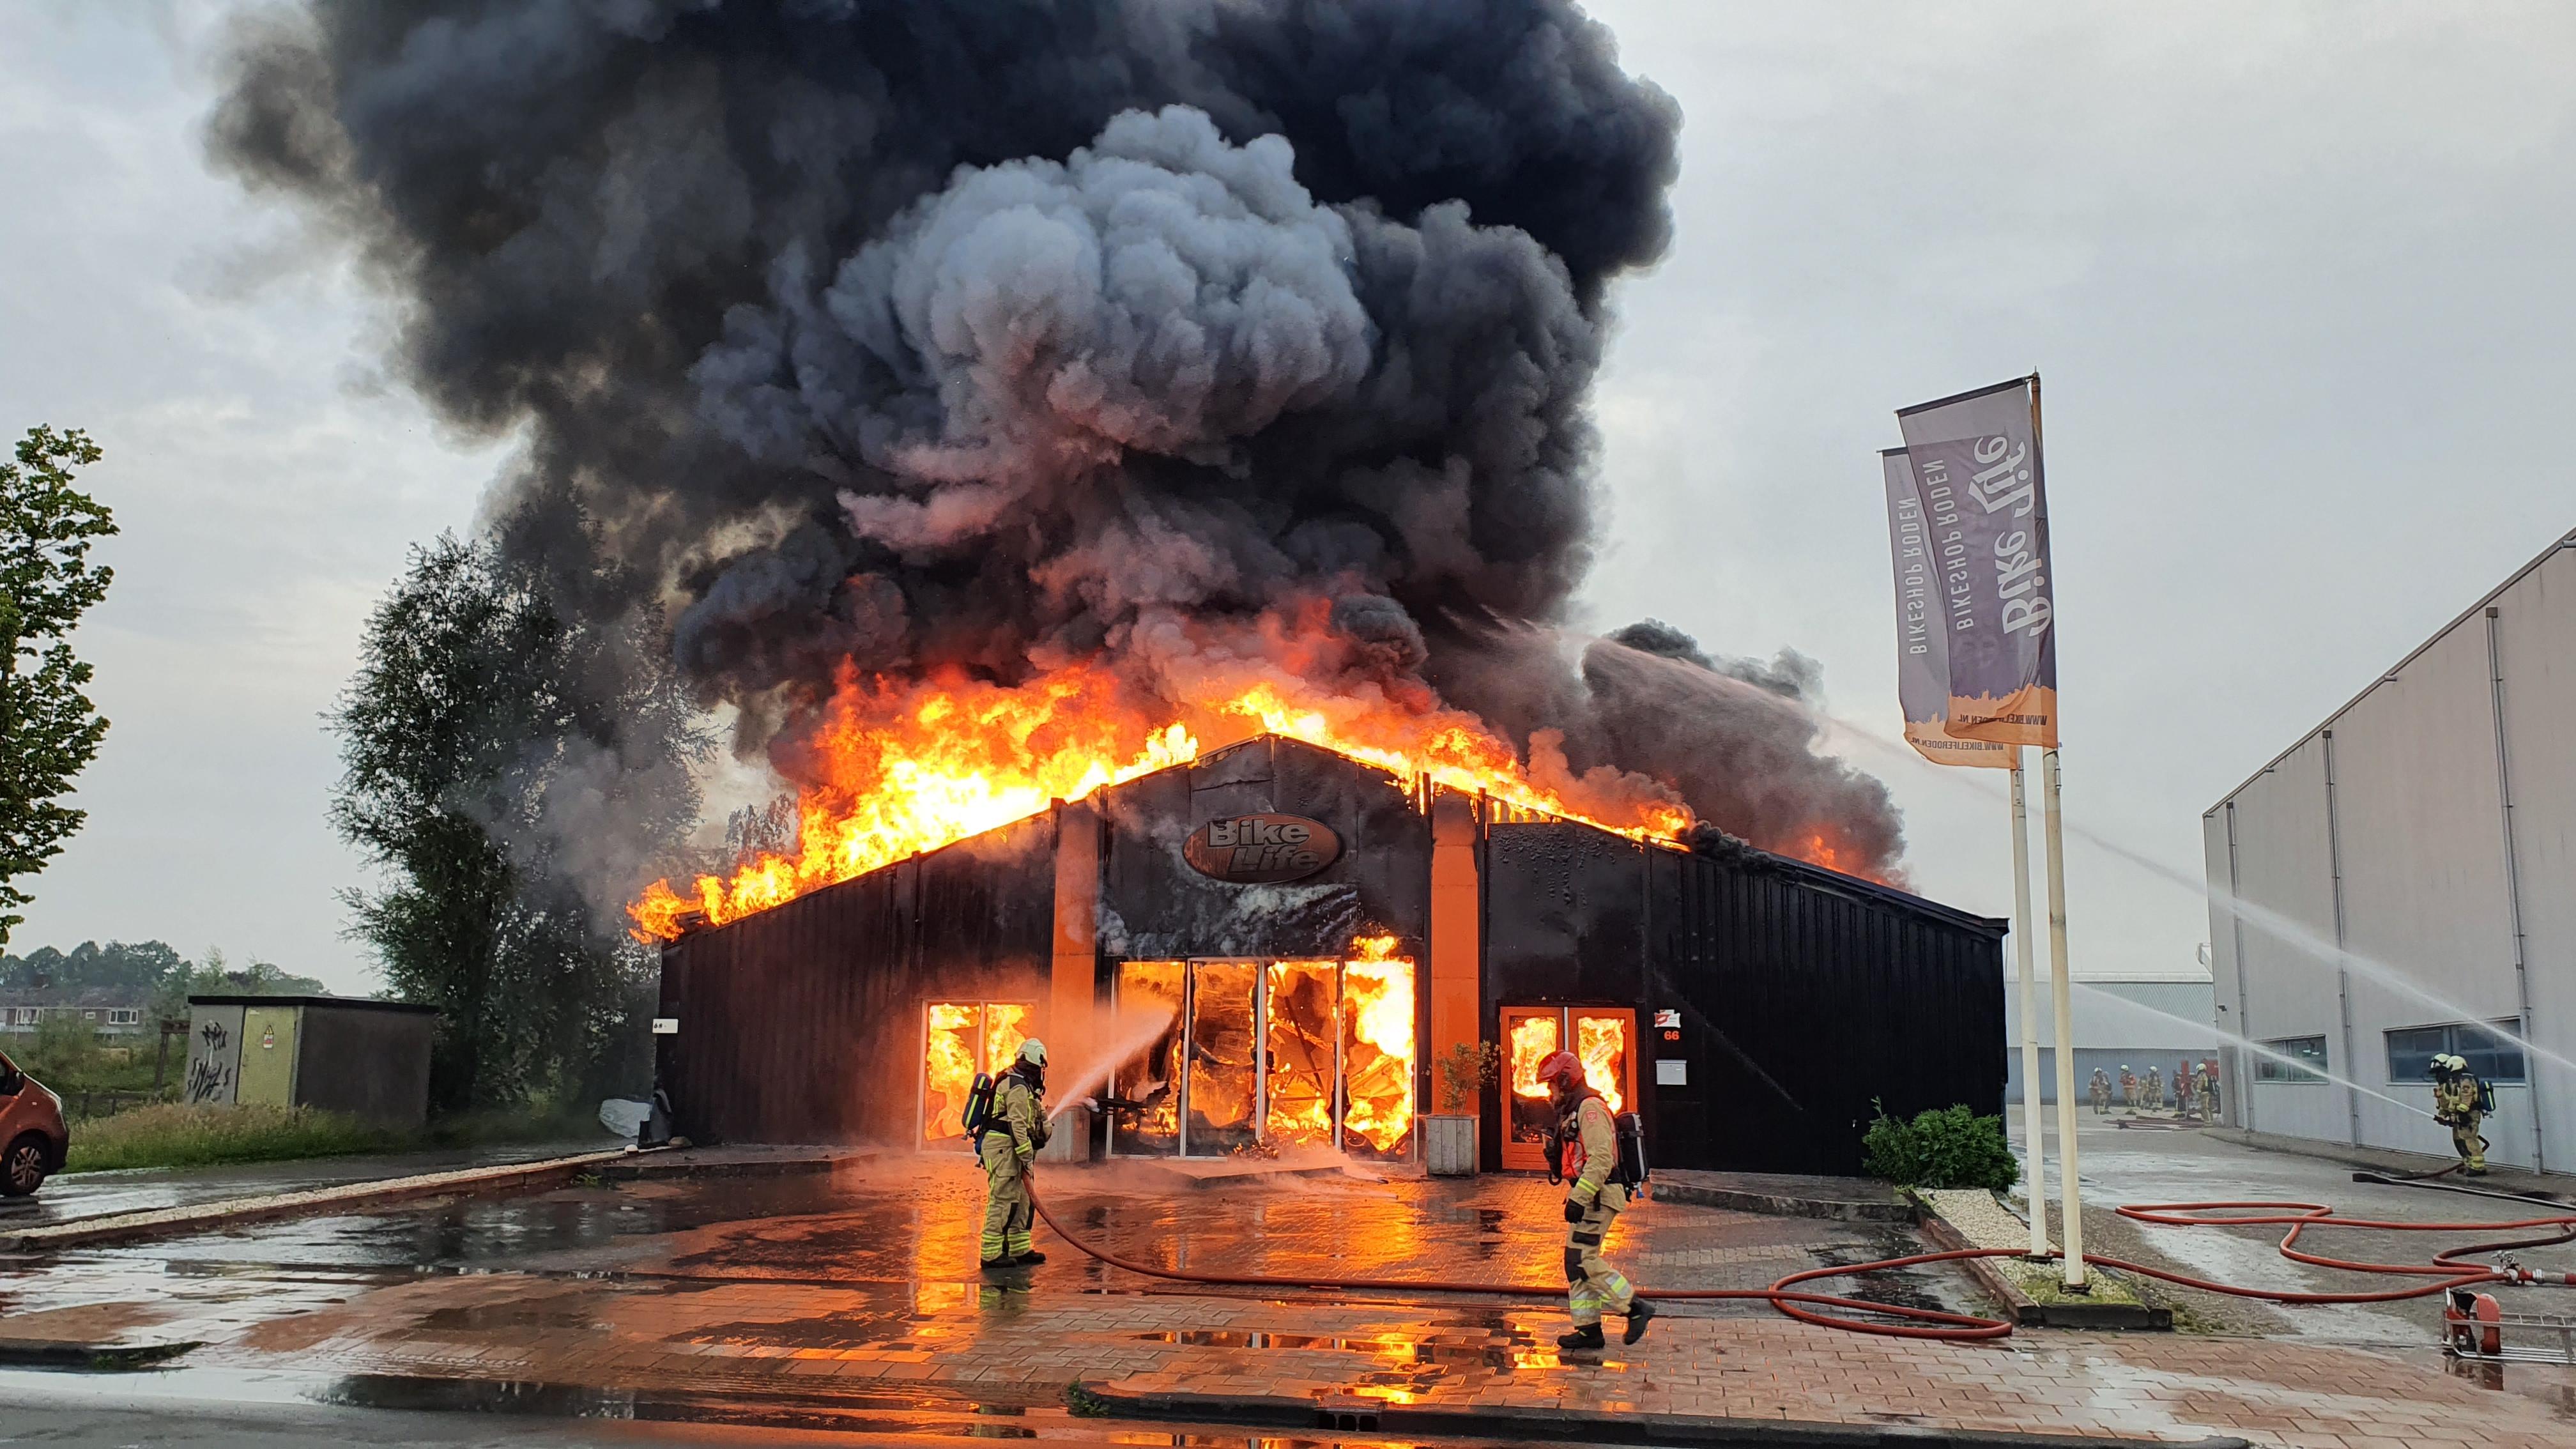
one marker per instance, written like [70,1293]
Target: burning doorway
[1603,1036]
[1270,1054]
[959,1039]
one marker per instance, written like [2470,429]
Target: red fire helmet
[1560,1068]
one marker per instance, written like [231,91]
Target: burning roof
[830,850]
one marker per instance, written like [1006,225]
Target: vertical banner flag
[1976,468]
[1922,645]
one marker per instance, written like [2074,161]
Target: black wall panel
[803,1023]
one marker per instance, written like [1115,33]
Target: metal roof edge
[2565,541]
[1888,894]
[363,1003]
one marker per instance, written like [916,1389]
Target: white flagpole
[2029,1016]
[2072,1206]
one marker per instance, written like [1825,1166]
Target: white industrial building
[2408,874]
[2137,1022]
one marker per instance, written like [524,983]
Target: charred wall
[803,1023]
[1565,925]
[1154,905]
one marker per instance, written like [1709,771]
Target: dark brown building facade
[1749,1006]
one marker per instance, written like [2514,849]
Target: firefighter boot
[1028,1257]
[1638,1313]
[1583,1339]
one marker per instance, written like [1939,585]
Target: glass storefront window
[1285,1054]
[1301,1057]
[1603,1038]
[1151,990]
[1531,1035]
[1378,1035]
[1224,1041]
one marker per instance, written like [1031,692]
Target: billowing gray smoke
[994,335]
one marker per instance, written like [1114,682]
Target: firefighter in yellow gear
[2101,1093]
[1592,1200]
[2458,1102]
[1007,1147]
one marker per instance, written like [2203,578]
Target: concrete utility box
[369,1059]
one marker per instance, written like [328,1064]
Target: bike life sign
[1261,849]
[1975,460]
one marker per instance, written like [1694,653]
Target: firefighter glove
[1573,1211]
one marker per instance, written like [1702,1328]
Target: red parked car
[33,1138]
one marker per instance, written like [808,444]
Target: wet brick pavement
[860,1287]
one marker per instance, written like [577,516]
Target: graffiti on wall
[214,1062]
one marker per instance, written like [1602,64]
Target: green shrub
[65,1049]
[1466,1069]
[1942,1147]
[176,1135]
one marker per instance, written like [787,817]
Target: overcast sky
[2298,278]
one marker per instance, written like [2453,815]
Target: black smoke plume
[995,335]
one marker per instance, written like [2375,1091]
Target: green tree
[49,730]
[511,770]
[215,976]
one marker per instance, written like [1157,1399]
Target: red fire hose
[1898,1320]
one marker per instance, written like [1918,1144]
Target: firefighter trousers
[2466,1141]
[1592,1286]
[1009,1210]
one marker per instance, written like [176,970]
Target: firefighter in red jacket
[1589,1140]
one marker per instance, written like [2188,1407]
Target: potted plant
[1449,1135]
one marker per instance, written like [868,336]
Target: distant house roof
[359,1003]
[102,997]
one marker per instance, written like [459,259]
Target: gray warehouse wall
[2425,834]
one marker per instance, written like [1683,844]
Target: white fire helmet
[1033,1051]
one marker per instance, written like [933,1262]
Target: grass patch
[2044,1283]
[175,1135]
[1082,1403]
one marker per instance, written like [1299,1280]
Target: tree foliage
[49,730]
[509,769]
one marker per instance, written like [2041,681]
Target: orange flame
[911,768]
[1602,1043]
[906,767]
[1533,1041]
[949,1063]
[1377,1049]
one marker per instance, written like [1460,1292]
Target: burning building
[1273,943]
[971,405]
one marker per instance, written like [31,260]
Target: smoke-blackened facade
[1759,1004]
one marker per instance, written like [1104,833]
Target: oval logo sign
[1262,849]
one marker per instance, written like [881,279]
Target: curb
[2389,1159]
[161,1222]
[98,1357]
[2027,1312]
[1591,1426]
[1780,1206]
[659,1163]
